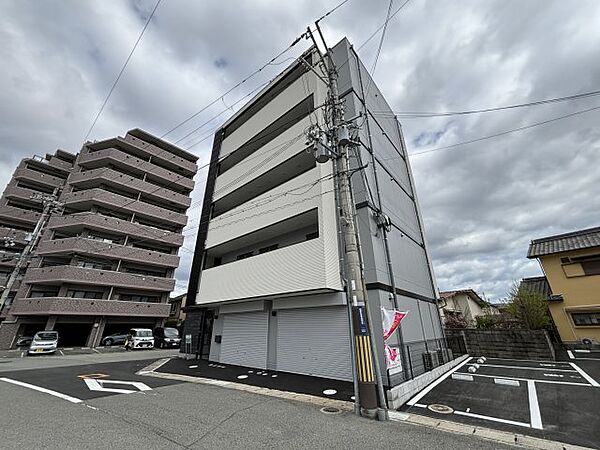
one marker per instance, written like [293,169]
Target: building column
[9,330]
[96,334]
[50,323]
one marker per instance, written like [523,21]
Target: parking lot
[557,400]
[62,351]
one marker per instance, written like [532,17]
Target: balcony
[15,192]
[45,306]
[91,277]
[307,267]
[95,177]
[278,107]
[60,164]
[19,236]
[141,149]
[83,200]
[43,179]
[282,148]
[92,247]
[124,161]
[11,214]
[76,222]
[297,196]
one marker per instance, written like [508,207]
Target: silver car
[43,342]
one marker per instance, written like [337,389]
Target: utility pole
[336,144]
[50,205]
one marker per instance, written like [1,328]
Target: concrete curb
[149,371]
[504,437]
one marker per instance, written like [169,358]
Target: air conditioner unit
[430,360]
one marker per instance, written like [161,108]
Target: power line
[218,99]
[255,72]
[408,114]
[260,86]
[514,130]
[121,71]
[387,19]
[332,10]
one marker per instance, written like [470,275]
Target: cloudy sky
[482,203]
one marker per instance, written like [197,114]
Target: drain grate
[441,409]
[330,410]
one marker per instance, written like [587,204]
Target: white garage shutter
[314,341]
[244,341]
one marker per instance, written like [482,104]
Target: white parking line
[585,375]
[425,391]
[41,389]
[570,353]
[493,419]
[529,379]
[534,408]
[526,360]
[527,368]
[507,382]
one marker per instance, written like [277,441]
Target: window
[84,294]
[313,235]
[94,265]
[139,298]
[591,267]
[269,248]
[173,309]
[217,261]
[244,255]
[586,319]
[35,293]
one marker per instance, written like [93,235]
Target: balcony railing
[89,307]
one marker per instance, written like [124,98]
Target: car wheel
[108,342]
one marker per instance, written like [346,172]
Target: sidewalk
[57,360]
[281,381]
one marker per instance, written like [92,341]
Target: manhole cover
[330,410]
[442,409]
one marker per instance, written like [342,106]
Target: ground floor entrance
[309,340]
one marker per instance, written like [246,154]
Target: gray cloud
[482,203]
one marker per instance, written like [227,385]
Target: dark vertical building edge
[204,219]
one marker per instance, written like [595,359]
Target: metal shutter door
[244,341]
[314,341]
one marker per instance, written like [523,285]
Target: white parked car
[139,338]
[43,342]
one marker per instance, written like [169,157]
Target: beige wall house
[571,263]
[465,302]
[177,313]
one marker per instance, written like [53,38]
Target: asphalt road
[187,415]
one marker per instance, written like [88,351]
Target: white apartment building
[266,289]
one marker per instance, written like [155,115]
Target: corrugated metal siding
[244,341]
[314,341]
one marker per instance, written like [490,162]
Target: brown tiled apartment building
[106,261]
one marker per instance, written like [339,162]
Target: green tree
[528,309]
